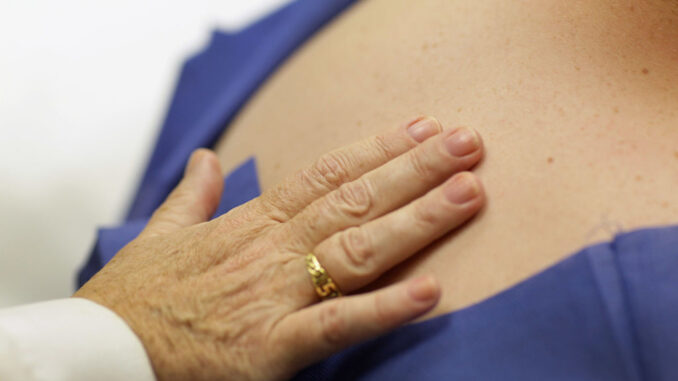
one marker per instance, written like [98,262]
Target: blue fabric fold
[649,264]
[608,312]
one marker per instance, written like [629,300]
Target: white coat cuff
[69,339]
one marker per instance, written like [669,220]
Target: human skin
[576,102]
[232,299]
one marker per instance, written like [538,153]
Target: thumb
[194,200]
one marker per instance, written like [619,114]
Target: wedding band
[324,285]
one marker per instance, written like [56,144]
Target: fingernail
[423,288]
[462,188]
[462,142]
[424,128]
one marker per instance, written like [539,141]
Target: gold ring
[324,285]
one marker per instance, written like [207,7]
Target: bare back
[575,102]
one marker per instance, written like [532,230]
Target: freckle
[645,71]
[665,204]
[632,8]
[639,178]
[424,47]
[360,123]
[675,154]
[577,68]
[549,160]
[459,109]
[616,110]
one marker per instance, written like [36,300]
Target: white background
[83,88]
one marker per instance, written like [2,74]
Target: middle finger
[385,188]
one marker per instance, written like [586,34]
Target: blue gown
[607,312]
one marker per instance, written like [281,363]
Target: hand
[232,299]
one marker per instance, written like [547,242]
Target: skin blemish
[639,178]
[549,160]
[616,110]
[645,71]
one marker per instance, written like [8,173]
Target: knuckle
[274,206]
[358,251]
[354,198]
[382,147]
[333,324]
[426,216]
[331,170]
[223,223]
[422,165]
[274,201]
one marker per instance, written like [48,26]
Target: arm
[233,297]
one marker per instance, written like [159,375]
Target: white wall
[83,88]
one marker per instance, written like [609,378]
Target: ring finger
[357,256]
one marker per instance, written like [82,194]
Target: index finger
[345,164]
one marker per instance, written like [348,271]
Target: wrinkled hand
[232,299]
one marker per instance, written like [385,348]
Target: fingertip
[481,189]
[211,159]
[202,161]
[204,179]
[193,162]
[423,128]
[412,121]
[424,289]
[481,147]
[479,198]
[480,138]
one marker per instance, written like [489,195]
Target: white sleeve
[69,339]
